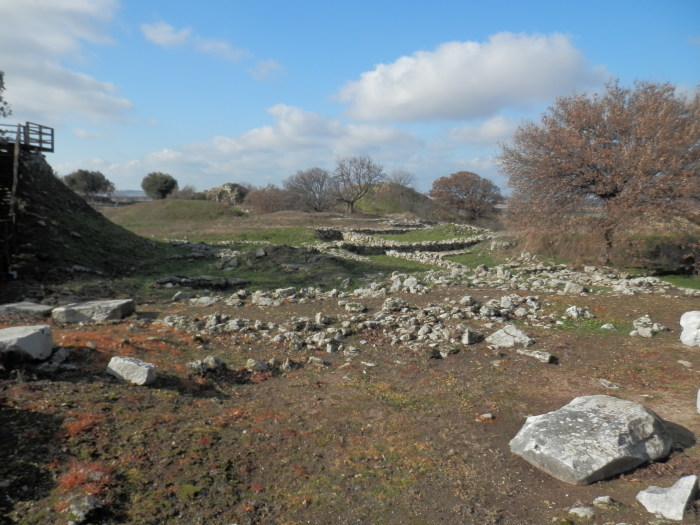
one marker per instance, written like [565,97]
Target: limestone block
[509,336]
[32,342]
[690,322]
[592,438]
[132,370]
[670,502]
[94,311]
[25,309]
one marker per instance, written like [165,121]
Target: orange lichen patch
[81,423]
[91,478]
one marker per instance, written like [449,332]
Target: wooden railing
[29,135]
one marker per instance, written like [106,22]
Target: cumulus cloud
[35,36]
[164,35]
[489,132]
[464,80]
[296,139]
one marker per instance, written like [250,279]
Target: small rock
[573,288]
[545,357]
[605,502]
[80,508]
[670,502]
[609,384]
[585,513]
[509,336]
[132,370]
[255,365]
[575,312]
[316,361]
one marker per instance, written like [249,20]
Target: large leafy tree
[158,185]
[354,177]
[616,158]
[88,183]
[466,194]
[312,190]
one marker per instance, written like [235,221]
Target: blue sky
[228,91]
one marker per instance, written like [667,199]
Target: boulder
[25,309]
[26,342]
[509,336]
[690,323]
[592,438]
[670,502]
[132,370]
[94,311]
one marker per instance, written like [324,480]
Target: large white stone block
[32,342]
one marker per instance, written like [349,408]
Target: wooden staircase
[13,141]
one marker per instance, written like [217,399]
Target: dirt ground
[388,437]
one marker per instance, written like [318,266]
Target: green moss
[187,491]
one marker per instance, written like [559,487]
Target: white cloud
[266,69]
[86,134]
[462,80]
[165,35]
[489,132]
[296,139]
[34,38]
[219,48]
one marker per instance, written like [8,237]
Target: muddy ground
[390,436]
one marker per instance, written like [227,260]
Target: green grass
[386,263]
[476,256]
[292,236]
[682,281]
[164,211]
[443,232]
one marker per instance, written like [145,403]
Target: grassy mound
[61,235]
[388,198]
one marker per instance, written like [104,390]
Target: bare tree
[269,199]
[403,178]
[613,159]
[312,190]
[354,177]
[467,194]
